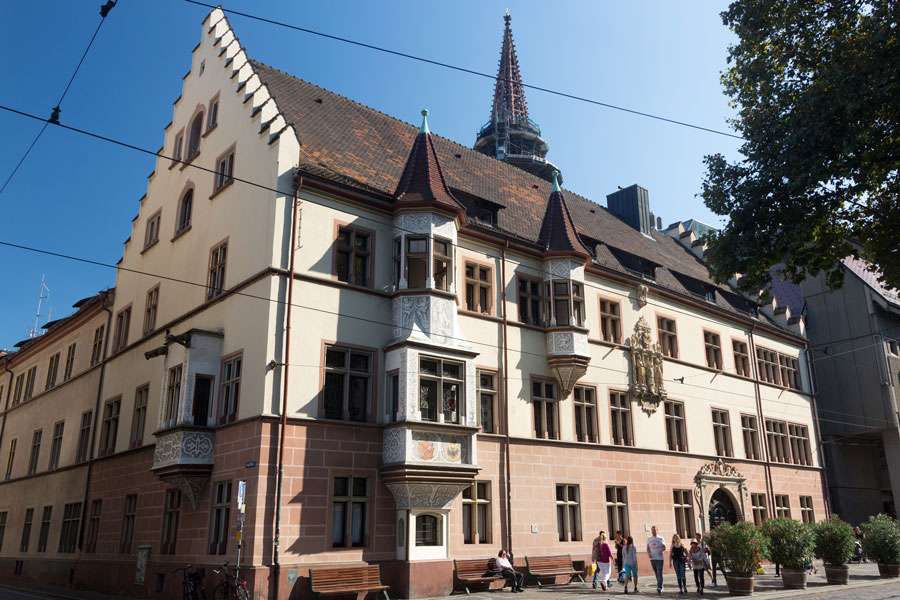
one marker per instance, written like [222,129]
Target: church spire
[510,135]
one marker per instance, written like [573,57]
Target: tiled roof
[858,267]
[422,180]
[557,230]
[353,144]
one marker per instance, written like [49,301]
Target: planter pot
[837,575]
[740,585]
[793,579]
[889,570]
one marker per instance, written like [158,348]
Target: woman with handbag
[603,554]
[678,556]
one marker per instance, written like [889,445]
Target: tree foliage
[817,87]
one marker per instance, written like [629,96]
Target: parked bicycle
[232,587]
[192,583]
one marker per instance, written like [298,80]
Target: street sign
[242,490]
[250,464]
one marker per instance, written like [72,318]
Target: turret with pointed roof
[511,135]
[557,229]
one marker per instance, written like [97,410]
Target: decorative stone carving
[424,495]
[719,469]
[439,447]
[190,485]
[183,447]
[720,475]
[568,370]
[647,383]
[394,446]
[641,295]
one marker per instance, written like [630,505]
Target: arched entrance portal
[721,509]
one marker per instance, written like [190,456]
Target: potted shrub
[882,544]
[740,547]
[791,545]
[835,543]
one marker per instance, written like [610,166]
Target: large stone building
[409,350]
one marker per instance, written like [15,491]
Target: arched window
[185,208]
[194,136]
[428,530]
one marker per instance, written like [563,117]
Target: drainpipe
[817,432]
[87,482]
[8,393]
[762,424]
[295,199]
[509,543]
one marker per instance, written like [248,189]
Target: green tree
[816,84]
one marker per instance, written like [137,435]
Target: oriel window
[441,385]
[416,262]
[443,264]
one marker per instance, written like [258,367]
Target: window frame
[617,412]
[422,257]
[476,504]
[93,528]
[588,415]
[754,453]
[59,429]
[617,518]
[44,533]
[759,507]
[212,113]
[27,524]
[568,531]
[349,500]
[10,458]
[532,301]
[801,450]
[123,328]
[683,502]
[35,455]
[217,270]
[219,517]
[97,345]
[30,376]
[767,366]
[610,321]
[445,259]
[778,441]
[224,173]
[438,529]
[151,309]
[741,352]
[347,373]
[782,506]
[177,147]
[139,415]
[168,542]
[477,286]
[679,423]
[721,422]
[712,344]
[194,135]
[184,221]
[493,395]
[229,400]
[70,361]
[83,450]
[667,338]
[68,532]
[172,400]
[151,229]
[52,371]
[352,252]
[789,369]
[807,514]
[442,380]
[129,514]
[109,431]
[541,405]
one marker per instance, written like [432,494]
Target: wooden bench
[359,580]
[472,571]
[542,567]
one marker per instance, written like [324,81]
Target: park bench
[359,580]
[472,571]
[542,567]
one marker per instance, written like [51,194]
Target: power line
[55,114]
[460,69]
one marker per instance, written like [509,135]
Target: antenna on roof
[44,295]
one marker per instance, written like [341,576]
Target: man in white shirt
[506,569]
[656,547]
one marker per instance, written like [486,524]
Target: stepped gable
[557,234]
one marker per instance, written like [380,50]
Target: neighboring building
[470,358]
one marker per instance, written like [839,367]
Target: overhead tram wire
[460,69]
[54,118]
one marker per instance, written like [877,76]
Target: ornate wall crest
[642,295]
[646,368]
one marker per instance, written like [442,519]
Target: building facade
[409,352]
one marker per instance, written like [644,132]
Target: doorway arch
[721,487]
[721,509]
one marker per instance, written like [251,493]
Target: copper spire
[558,234]
[509,96]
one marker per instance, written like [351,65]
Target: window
[758,504]
[2,527]
[90,544]
[617,508]
[428,530]
[224,171]
[97,346]
[395,274]
[29,384]
[173,396]
[128,513]
[70,362]
[215,283]
[10,458]
[620,419]
[220,518]
[346,392]
[487,398]
[151,233]
[353,249]
[779,450]
[185,208]
[684,513]
[800,450]
[676,436]
[751,437]
[767,365]
[476,513]
[585,399]
[176,151]
[478,288]
[140,416]
[443,264]
[531,301]
[610,322]
[394,382]
[441,389]
[578,304]
[196,129]
[56,445]
[416,262]
[68,533]
[84,438]
[806,509]
[171,512]
[543,401]
[123,323]
[893,347]
[231,389]
[782,506]
[568,512]
[213,118]
[741,358]
[19,387]
[790,371]
[26,530]
[350,512]
[722,432]
[713,345]
[110,427]
[35,451]
[668,337]
[52,368]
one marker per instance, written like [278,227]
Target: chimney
[659,223]
[632,205]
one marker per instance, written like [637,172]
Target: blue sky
[77,195]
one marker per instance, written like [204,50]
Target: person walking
[678,557]
[603,554]
[515,579]
[629,562]
[620,543]
[698,560]
[656,548]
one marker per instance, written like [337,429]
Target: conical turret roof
[557,234]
